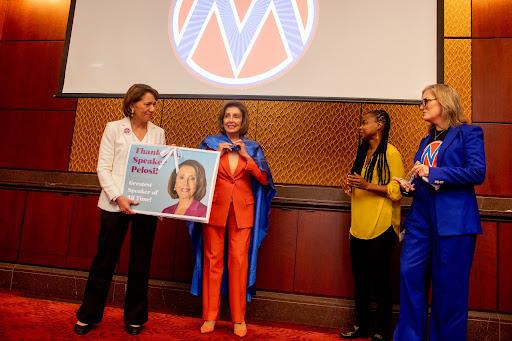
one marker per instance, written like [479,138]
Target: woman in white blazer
[116,213]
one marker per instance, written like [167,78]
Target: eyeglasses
[424,101]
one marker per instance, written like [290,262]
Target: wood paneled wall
[305,252]
[492,86]
[39,126]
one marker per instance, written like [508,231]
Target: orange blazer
[235,188]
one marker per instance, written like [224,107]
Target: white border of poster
[149,174]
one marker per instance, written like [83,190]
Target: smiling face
[144,109]
[232,120]
[431,108]
[370,127]
[186,182]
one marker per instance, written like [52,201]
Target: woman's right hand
[224,147]
[125,204]
[405,185]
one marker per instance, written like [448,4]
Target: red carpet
[23,318]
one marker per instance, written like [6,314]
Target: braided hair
[379,156]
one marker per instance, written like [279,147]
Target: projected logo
[241,42]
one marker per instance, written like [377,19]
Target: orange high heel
[208,327]
[240,329]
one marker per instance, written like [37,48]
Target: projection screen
[369,50]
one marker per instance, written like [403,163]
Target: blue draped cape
[262,197]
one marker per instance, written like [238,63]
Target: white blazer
[115,142]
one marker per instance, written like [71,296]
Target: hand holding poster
[170,181]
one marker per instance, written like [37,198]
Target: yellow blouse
[373,214]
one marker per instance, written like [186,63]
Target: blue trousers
[447,261]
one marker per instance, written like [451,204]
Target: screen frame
[439,67]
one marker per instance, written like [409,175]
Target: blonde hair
[449,100]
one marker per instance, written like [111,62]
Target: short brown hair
[200,180]
[245,116]
[134,94]
[449,100]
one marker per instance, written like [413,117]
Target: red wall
[40,127]
[492,89]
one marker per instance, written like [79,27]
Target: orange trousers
[213,268]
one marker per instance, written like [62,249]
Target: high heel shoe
[133,329]
[208,327]
[82,329]
[240,329]
[355,333]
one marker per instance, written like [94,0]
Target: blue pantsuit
[440,238]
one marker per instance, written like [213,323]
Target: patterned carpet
[24,318]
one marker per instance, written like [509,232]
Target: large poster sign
[170,181]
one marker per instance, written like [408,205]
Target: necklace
[437,134]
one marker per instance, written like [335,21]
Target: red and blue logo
[241,42]
[431,153]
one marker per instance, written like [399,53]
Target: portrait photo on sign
[169,181]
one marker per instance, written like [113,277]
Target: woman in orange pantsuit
[232,212]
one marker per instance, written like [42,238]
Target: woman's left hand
[420,170]
[357,181]
[243,150]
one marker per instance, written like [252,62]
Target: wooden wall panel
[3,13]
[492,80]
[504,268]
[484,273]
[323,265]
[12,206]
[162,262]
[36,139]
[36,20]
[276,258]
[45,234]
[183,259]
[499,165]
[492,18]
[83,233]
[30,74]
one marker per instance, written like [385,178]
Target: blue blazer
[460,166]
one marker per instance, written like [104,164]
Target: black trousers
[114,226]
[370,267]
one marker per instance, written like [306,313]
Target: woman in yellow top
[375,222]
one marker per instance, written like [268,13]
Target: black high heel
[355,333]
[82,330]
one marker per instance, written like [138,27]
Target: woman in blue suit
[443,222]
